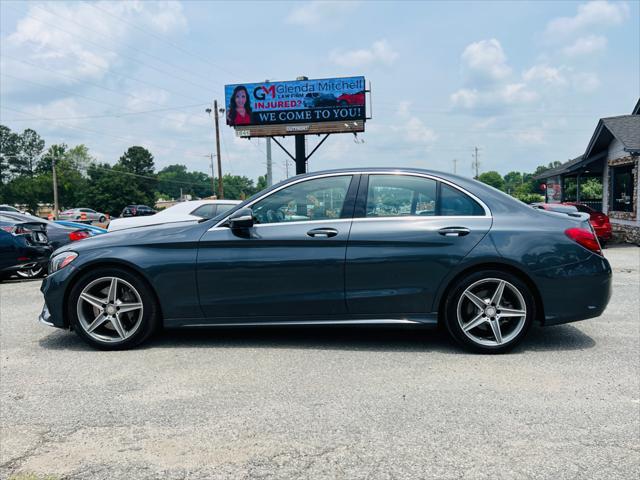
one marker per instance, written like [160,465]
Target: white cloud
[517,93]
[380,52]
[486,60]
[465,98]
[144,99]
[596,14]
[413,129]
[585,82]
[586,46]
[81,41]
[316,13]
[545,74]
[533,136]
[495,98]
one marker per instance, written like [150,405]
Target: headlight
[61,260]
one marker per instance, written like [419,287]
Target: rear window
[205,211]
[455,203]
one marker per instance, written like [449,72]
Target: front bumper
[54,289]
[575,292]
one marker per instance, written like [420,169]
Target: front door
[409,231]
[290,263]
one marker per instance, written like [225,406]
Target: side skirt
[427,320]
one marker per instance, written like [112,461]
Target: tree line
[26,170]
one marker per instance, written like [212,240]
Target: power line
[164,40]
[128,47]
[137,60]
[115,115]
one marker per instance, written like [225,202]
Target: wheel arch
[491,265]
[108,263]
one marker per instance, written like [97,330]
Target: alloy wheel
[110,309]
[491,312]
[31,271]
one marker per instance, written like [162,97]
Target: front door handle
[454,231]
[323,232]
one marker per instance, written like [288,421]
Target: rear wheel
[489,311]
[113,309]
[102,220]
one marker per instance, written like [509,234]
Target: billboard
[305,106]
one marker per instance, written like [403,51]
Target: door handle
[454,231]
[323,232]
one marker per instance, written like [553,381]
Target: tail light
[585,237]
[16,230]
[78,235]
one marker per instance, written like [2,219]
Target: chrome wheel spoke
[95,301]
[510,312]
[477,301]
[113,290]
[497,296]
[99,320]
[129,307]
[478,320]
[495,328]
[117,325]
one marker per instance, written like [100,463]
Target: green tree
[174,178]
[512,180]
[31,147]
[139,162]
[111,189]
[9,148]
[492,178]
[237,187]
[261,184]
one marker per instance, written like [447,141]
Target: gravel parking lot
[323,403]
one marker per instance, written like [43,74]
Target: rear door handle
[454,231]
[323,232]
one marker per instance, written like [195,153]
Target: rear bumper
[31,256]
[575,292]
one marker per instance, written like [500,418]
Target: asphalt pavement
[323,402]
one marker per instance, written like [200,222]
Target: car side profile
[342,247]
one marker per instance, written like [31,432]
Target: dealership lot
[323,403]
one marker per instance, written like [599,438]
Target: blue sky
[525,82]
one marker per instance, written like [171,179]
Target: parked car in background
[82,214]
[181,212]
[342,247]
[599,221]
[92,229]
[57,235]
[137,211]
[351,99]
[11,209]
[24,249]
[316,99]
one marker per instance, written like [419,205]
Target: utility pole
[213,176]
[269,164]
[455,165]
[56,207]
[286,167]
[220,185]
[475,164]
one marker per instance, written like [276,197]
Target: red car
[599,221]
[351,98]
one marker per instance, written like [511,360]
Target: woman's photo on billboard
[239,111]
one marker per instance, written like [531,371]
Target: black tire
[454,298]
[151,311]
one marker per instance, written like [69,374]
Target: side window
[224,207]
[205,211]
[455,203]
[400,195]
[317,199]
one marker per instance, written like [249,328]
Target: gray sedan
[82,215]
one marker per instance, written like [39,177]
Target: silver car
[83,215]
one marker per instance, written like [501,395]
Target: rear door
[408,232]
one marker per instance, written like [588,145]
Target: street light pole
[220,185]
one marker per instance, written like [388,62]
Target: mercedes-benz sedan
[345,247]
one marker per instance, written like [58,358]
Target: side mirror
[243,218]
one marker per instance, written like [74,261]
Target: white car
[181,212]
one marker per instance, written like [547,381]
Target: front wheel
[489,311]
[113,309]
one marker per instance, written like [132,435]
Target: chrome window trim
[487,211]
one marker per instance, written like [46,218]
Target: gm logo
[261,92]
